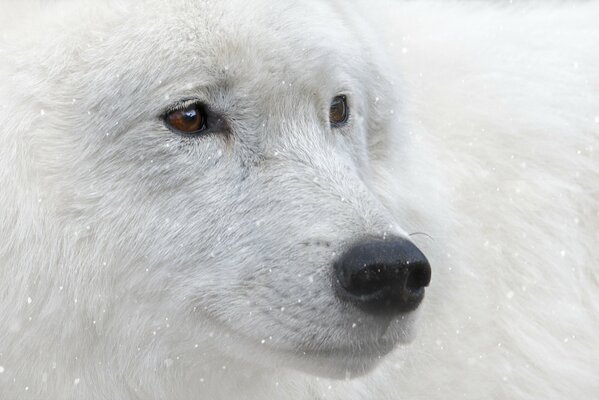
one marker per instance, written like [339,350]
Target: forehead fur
[183,36]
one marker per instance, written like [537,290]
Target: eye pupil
[190,120]
[339,112]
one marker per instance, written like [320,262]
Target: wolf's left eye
[339,112]
[190,120]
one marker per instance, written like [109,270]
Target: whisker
[422,233]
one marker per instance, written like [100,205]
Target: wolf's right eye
[339,111]
[190,120]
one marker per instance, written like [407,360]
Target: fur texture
[139,264]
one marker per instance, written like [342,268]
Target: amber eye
[190,120]
[339,112]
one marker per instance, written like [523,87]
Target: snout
[383,276]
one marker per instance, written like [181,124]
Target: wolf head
[140,241]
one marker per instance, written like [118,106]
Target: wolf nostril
[368,280]
[371,278]
[383,276]
[419,277]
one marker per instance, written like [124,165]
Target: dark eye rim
[182,106]
[344,99]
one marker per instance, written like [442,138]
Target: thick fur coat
[139,264]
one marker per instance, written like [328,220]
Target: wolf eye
[189,120]
[339,112]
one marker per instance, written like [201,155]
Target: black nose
[383,276]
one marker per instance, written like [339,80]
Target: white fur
[135,264]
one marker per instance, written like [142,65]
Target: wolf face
[201,168]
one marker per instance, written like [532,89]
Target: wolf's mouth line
[366,350]
[369,350]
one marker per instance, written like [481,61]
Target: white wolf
[222,199]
